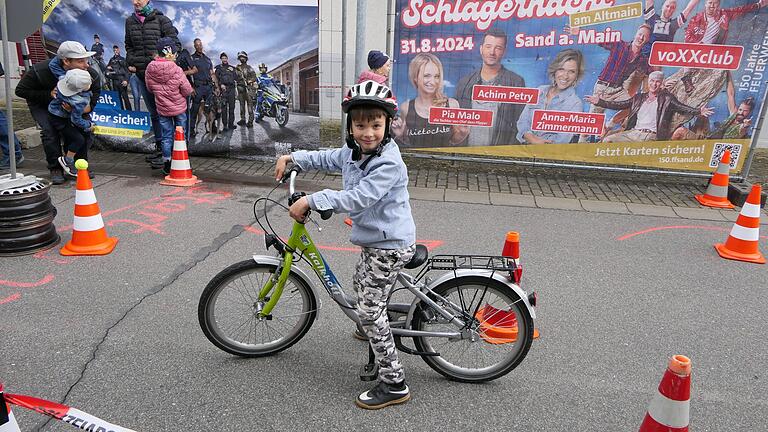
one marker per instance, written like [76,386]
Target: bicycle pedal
[369,372]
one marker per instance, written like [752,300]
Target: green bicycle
[471,323]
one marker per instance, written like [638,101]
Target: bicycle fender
[483,273]
[275,261]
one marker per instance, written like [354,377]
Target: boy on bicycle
[376,197]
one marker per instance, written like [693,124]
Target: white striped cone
[717,191]
[743,243]
[7,420]
[181,169]
[669,409]
[89,237]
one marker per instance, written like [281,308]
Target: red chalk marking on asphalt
[661,228]
[15,296]
[43,281]
[10,298]
[142,226]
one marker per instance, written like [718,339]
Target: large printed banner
[281,34]
[666,84]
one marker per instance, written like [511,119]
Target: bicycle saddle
[419,257]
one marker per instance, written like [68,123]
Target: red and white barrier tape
[72,416]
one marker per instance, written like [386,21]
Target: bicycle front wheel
[229,308]
[495,340]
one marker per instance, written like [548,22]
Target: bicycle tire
[214,329]
[454,372]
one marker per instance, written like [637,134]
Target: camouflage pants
[375,276]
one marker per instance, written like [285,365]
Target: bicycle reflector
[511,245]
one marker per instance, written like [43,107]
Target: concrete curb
[435,194]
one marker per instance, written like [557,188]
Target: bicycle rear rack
[478,262]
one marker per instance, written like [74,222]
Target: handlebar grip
[287,173]
[325,214]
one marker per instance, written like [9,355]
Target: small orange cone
[717,191]
[7,420]
[181,170]
[88,234]
[669,409]
[743,241]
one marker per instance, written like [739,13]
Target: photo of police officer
[117,72]
[226,76]
[202,79]
[246,90]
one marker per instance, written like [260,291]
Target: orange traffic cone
[717,191]
[181,170]
[88,234]
[668,411]
[743,241]
[7,420]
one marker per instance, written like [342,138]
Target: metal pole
[390,17]
[755,136]
[25,54]
[8,95]
[361,59]
[343,64]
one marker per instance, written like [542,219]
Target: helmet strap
[357,151]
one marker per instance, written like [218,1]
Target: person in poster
[624,59]
[117,72]
[664,26]
[493,73]
[564,72]
[650,113]
[737,125]
[696,86]
[226,75]
[412,126]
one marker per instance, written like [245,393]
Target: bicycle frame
[300,242]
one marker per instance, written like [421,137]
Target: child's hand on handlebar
[299,209]
[282,162]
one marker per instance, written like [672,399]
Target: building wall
[14,70]
[331,44]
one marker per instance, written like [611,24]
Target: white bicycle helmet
[368,93]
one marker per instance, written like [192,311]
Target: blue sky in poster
[531,63]
[268,33]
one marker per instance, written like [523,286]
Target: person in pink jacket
[379,65]
[168,83]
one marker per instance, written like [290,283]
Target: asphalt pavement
[117,336]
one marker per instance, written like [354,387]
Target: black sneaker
[384,395]
[57,177]
[68,166]
[241,122]
[249,124]
[166,167]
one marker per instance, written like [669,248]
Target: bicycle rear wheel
[482,355]
[229,307]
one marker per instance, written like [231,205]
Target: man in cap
[117,72]
[38,87]
[226,75]
[246,79]
[98,57]
[202,79]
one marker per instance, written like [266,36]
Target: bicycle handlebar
[292,174]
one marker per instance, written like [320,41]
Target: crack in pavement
[198,257]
